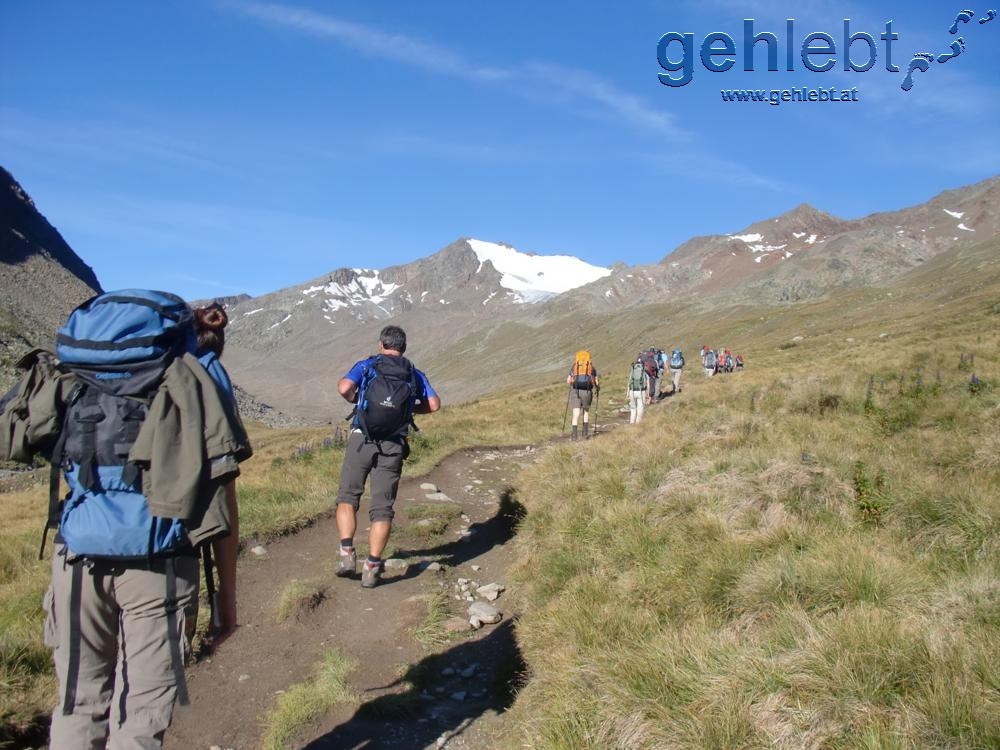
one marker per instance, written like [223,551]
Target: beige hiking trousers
[119,642]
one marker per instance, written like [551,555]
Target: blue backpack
[118,345]
[676,359]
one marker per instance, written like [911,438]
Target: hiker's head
[393,338]
[210,323]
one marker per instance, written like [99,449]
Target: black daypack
[386,397]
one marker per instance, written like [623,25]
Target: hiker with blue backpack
[387,390]
[709,361]
[148,443]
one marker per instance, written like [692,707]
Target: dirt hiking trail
[462,687]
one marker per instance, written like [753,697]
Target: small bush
[869,493]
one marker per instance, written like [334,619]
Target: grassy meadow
[803,554]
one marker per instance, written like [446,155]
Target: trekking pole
[569,392]
[597,405]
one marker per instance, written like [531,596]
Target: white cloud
[538,80]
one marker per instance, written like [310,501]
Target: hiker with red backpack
[387,390]
[583,385]
[142,426]
[652,367]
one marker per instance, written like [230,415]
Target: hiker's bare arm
[348,389]
[430,405]
[225,551]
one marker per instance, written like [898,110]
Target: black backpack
[386,396]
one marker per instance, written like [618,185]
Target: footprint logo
[957,48]
[922,62]
[964,16]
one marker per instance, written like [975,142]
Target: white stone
[490,589]
[259,550]
[438,496]
[394,563]
[475,568]
[484,612]
[429,487]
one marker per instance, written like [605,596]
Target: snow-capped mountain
[305,330]
[477,277]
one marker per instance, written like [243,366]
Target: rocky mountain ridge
[41,278]
[806,253]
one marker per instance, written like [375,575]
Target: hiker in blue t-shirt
[388,390]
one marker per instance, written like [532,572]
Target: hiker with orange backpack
[583,384]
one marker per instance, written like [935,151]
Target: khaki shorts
[580,399]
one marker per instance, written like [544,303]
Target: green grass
[304,703]
[430,631]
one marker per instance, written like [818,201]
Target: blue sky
[211,148]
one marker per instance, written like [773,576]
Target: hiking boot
[586,430]
[573,434]
[348,563]
[370,575]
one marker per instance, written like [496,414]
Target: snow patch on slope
[367,286]
[534,278]
[956,214]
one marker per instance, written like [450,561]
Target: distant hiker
[676,363]
[583,383]
[728,362]
[652,367]
[147,440]
[635,391]
[388,391]
[739,361]
[710,361]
